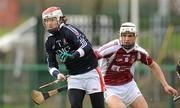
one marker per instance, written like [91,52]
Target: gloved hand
[61,77]
[64,57]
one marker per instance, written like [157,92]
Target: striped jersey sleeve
[143,56]
[108,49]
[79,39]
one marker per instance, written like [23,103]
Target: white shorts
[127,92]
[91,82]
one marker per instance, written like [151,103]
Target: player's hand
[171,91]
[61,77]
[64,57]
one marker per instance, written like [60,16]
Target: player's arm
[83,46]
[107,50]
[158,73]
[156,70]
[144,57]
[100,55]
[80,43]
[52,62]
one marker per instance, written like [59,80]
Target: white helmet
[52,12]
[128,27]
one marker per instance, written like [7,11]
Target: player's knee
[117,105]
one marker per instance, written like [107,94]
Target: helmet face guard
[129,28]
[50,13]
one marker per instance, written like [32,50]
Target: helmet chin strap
[53,30]
[128,47]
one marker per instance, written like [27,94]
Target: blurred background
[22,59]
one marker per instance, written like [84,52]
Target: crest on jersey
[126,59]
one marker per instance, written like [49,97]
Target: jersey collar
[60,26]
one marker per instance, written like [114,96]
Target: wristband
[54,72]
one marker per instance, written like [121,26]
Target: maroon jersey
[118,63]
